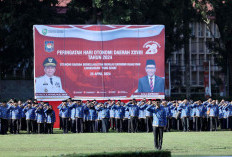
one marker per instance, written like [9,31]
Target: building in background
[199,53]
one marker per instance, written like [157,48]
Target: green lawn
[179,143]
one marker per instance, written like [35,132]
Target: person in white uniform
[49,83]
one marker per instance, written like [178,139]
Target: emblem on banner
[44,31]
[152,47]
[49,46]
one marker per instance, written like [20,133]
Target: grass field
[179,143]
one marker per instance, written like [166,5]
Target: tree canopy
[220,12]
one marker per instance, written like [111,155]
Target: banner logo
[50,60]
[49,46]
[152,47]
[44,31]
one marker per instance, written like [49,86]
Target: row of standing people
[134,116]
[31,116]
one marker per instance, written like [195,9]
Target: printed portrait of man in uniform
[151,83]
[49,83]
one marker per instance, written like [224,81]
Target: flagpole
[169,75]
[210,94]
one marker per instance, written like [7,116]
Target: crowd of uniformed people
[133,116]
[139,116]
[30,116]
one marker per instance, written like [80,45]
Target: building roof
[63,3]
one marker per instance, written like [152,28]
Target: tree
[221,11]
[167,12]
[17,18]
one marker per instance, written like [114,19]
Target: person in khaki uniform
[49,83]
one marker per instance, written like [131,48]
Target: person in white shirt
[49,83]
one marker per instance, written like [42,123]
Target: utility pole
[186,21]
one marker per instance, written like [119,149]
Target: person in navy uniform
[65,115]
[15,116]
[86,118]
[185,114]
[49,83]
[126,119]
[105,115]
[79,117]
[92,116]
[159,122]
[119,112]
[212,109]
[50,118]
[60,112]
[112,113]
[22,121]
[151,83]
[40,118]
[222,114]
[72,106]
[200,109]
[30,117]
[142,109]
[133,109]
[168,115]
[228,115]
[148,116]
[4,117]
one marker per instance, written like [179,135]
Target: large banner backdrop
[99,61]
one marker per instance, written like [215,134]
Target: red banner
[99,61]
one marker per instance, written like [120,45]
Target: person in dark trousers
[185,114]
[134,112]
[212,109]
[119,112]
[22,121]
[50,119]
[142,115]
[4,117]
[112,114]
[92,115]
[30,117]
[159,122]
[105,115]
[79,117]
[40,118]
[148,117]
[72,107]
[16,116]
[65,116]
[60,113]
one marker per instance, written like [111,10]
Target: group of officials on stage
[31,116]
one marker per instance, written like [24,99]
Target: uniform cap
[49,62]
[150,62]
